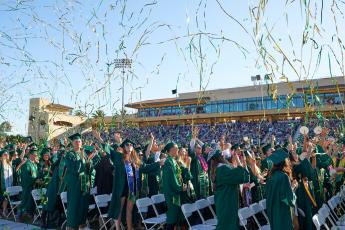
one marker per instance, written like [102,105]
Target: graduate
[198,167]
[29,176]
[6,178]
[53,188]
[280,196]
[226,180]
[77,174]
[172,185]
[45,172]
[154,176]
[266,164]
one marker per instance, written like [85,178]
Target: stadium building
[279,101]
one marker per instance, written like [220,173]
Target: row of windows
[245,104]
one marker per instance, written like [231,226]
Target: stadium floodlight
[123,63]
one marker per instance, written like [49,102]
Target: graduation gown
[119,179]
[304,175]
[279,201]
[153,175]
[266,164]
[226,195]
[323,161]
[78,177]
[53,187]
[104,175]
[172,187]
[16,175]
[29,175]
[200,178]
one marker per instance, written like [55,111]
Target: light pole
[123,63]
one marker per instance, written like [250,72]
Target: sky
[65,50]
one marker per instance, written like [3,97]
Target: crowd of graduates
[295,177]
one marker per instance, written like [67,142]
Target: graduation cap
[3,151]
[32,145]
[278,156]
[319,149]
[33,151]
[75,136]
[168,146]
[126,142]
[234,147]
[29,139]
[266,148]
[45,151]
[88,149]
[213,154]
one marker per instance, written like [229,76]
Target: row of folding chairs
[332,214]
[198,207]
[252,211]
[63,197]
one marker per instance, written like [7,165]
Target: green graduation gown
[304,170]
[153,174]
[266,164]
[53,187]
[280,199]
[78,177]
[172,187]
[29,174]
[119,179]
[200,178]
[16,175]
[226,195]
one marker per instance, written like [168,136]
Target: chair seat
[92,206]
[338,228]
[202,227]
[211,222]
[164,215]
[265,227]
[16,202]
[155,220]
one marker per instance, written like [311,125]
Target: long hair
[133,158]
[214,163]
[283,166]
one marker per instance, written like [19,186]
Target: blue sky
[54,33]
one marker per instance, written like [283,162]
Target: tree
[79,113]
[5,127]
[98,116]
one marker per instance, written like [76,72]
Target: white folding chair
[10,193]
[256,208]
[326,212]
[244,214]
[102,201]
[202,204]
[158,199]
[210,200]
[63,197]
[333,205]
[262,204]
[320,220]
[188,210]
[37,196]
[143,204]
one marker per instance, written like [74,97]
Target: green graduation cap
[125,142]
[3,151]
[214,154]
[234,147]
[278,156]
[88,149]
[32,145]
[45,151]
[75,136]
[10,147]
[33,151]
[168,147]
[266,148]
[319,149]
